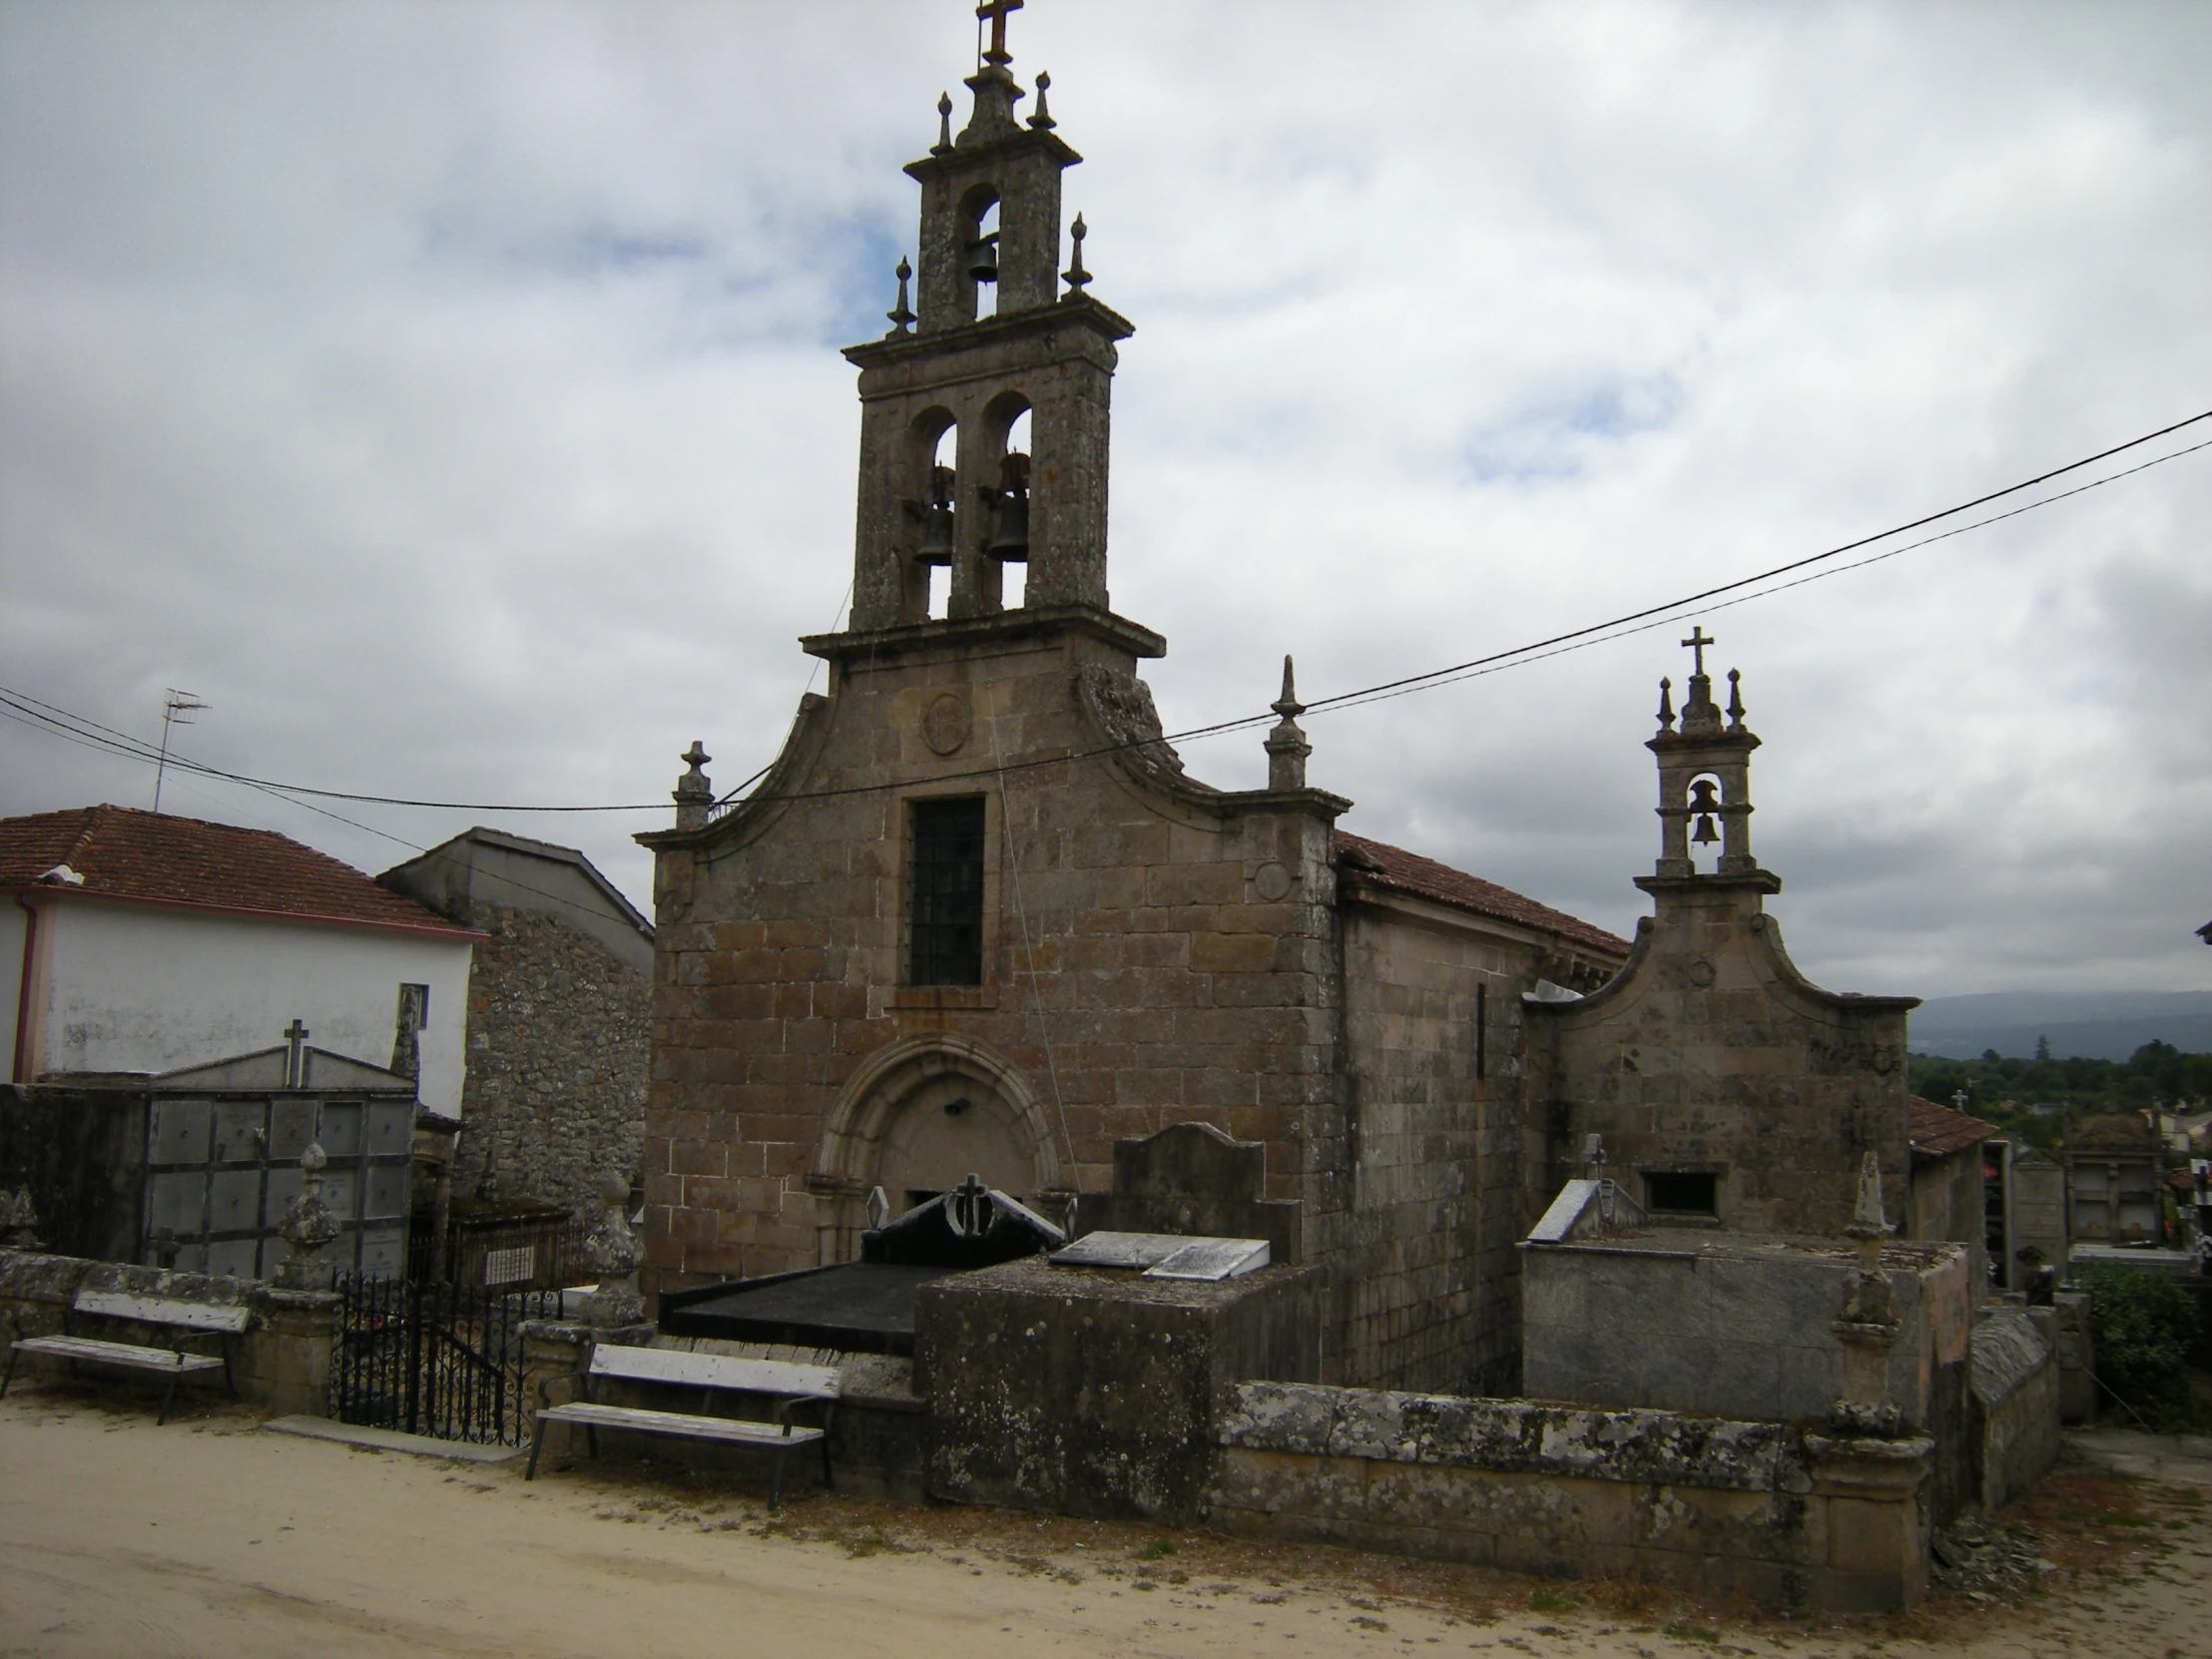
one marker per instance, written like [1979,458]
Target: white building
[136,944]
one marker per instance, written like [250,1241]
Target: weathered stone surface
[1513,1437]
[2015,1380]
[1690,1319]
[558,1042]
[1093,1393]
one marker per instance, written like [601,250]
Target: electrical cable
[87,731]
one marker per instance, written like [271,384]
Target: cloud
[448,395]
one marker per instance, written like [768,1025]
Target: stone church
[977,917]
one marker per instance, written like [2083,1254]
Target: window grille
[945,900]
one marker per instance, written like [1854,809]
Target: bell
[936,519]
[1705,835]
[983,259]
[1010,523]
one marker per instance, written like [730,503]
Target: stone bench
[789,1386]
[173,1361]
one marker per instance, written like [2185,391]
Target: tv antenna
[178,707]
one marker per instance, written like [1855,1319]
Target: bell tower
[1705,785]
[995,338]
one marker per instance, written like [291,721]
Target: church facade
[977,917]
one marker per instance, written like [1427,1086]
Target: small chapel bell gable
[1705,777]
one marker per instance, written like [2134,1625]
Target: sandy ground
[213,1537]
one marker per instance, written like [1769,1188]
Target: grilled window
[1681,1193]
[946,897]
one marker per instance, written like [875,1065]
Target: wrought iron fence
[438,1359]
[538,1253]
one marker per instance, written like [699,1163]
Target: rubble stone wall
[558,1047]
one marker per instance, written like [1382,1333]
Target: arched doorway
[922,1115]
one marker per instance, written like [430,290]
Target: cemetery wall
[1787,1519]
[283,1361]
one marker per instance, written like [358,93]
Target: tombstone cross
[296,1038]
[996,11]
[1697,642]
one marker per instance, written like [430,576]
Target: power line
[91,733]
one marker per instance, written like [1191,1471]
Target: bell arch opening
[979,241]
[1006,426]
[1704,802]
[932,466]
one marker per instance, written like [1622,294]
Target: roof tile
[1399,870]
[156,859]
[1937,1131]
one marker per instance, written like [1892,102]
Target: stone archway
[923,1114]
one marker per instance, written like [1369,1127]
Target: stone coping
[1515,1436]
[1701,1243]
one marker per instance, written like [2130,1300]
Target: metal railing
[443,1361]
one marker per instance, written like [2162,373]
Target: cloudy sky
[448,395]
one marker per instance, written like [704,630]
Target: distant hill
[2093,1026]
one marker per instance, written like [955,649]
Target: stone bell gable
[1717,1082]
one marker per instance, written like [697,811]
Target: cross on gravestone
[996,11]
[295,1037]
[1697,642]
[967,1208]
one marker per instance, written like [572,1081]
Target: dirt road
[211,1537]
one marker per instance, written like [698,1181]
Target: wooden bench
[173,1361]
[790,1386]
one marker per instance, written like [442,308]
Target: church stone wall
[1182,965]
[1429,1293]
[1711,1053]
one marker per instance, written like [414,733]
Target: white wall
[142,989]
[12,920]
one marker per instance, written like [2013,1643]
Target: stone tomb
[1093,1390]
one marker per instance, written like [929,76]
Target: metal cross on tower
[1697,642]
[996,11]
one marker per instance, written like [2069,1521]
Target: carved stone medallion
[1702,974]
[945,724]
[1273,881]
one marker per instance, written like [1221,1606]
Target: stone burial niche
[867,1307]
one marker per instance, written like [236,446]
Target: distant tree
[2042,1048]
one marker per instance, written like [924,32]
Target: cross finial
[1697,642]
[996,11]
[295,1037]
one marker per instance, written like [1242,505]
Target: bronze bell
[983,259]
[1704,802]
[1010,523]
[936,524]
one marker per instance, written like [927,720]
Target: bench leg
[537,1440]
[775,1481]
[13,1356]
[829,1415]
[169,1397]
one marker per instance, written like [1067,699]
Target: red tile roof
[1937,1131]
[156,859]
[1394,869]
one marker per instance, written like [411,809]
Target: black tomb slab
[867,1307]
[855,1308]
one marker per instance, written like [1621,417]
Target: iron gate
[438,1359]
